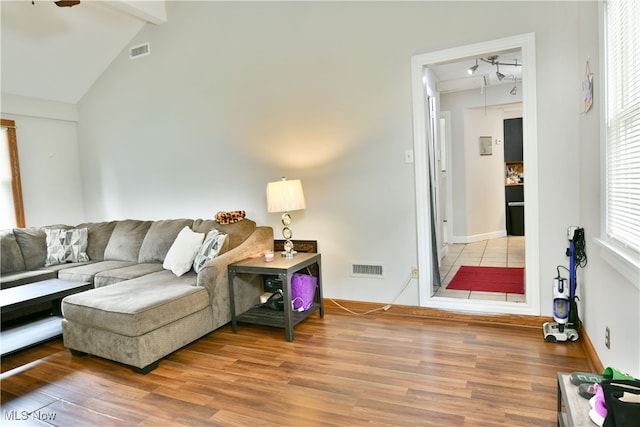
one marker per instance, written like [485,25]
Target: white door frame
[446,116]
[525,42]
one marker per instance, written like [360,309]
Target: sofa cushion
[182,252]
[86,273]
[110,277]
[213,243]
[11,256]
[18,278]
[99,235]
[137,306]
[238,232]
[33,245]
[66,245]
[159,239]
[126,240]
[59,267]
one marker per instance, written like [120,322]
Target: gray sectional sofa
[139,311]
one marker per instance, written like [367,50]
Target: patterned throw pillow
[210,249]
[66,245]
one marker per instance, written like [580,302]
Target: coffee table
[23,296]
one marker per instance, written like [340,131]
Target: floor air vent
[363,270]
[138,51]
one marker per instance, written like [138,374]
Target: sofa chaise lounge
[140,309]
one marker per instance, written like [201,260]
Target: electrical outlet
[607,337]
[414,271]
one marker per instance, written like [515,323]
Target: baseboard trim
[505,319]
[478,237]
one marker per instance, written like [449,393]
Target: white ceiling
[57,53]
[453,76]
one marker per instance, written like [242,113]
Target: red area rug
[489,279]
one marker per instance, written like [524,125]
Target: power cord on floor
[383,308]
[580,248]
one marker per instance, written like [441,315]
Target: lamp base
[289,255]
[288,248]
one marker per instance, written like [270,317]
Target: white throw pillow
[183,251]
[210,249]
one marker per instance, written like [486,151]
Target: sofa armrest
[215,279]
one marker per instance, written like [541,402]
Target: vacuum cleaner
[565,309]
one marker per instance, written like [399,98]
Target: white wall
[607,298]
[485,198]
[49,159]
[236,95]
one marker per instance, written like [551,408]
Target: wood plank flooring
[344,370]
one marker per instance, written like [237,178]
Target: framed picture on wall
[485,146]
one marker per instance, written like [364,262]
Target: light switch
[408,156]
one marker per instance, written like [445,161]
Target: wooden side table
[284,269]
[573,409]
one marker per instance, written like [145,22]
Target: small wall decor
[587,87]
[485,146]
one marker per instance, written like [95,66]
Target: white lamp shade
[285,196]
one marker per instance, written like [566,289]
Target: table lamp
[285,196]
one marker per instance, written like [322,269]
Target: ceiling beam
[154,12]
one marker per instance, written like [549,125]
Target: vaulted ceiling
[57,53]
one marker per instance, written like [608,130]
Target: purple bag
[303,291]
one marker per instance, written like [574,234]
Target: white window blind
[623,123]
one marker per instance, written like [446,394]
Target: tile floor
[502,252]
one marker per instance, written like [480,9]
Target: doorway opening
[436,217]
[503,246]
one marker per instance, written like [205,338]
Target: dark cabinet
[514,188]
[514,193]
[513,140]
[514,197]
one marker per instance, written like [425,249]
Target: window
[11,208]
[622,166]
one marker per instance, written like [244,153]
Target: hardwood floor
[382,369]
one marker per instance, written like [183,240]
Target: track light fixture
[493,60]
[514,89]
[499,75]
[473,68]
